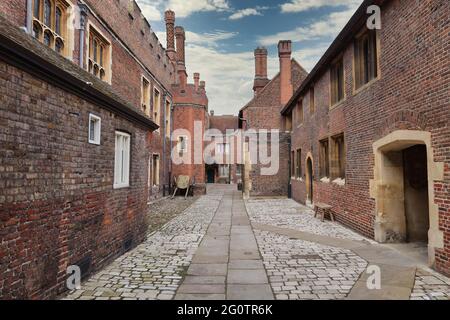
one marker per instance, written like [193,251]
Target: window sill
[325,180]
[121,186]
[339,181]
[97,143]
[364,87]
[337,104]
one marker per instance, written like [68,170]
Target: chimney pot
[212,112]
[196,80]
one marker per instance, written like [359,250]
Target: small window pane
[37,5]
[47,12]
[58,21]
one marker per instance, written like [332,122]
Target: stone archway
[309,180]
[403,212]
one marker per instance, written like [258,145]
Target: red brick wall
[412,93]
[57,202]
[15,10]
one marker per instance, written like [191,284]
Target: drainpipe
[29,18]
[171,144]
[83,18]
[290,167]
[164,143]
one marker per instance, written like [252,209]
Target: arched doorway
[403,188]
[309,181]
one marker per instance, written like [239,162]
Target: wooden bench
[322,209]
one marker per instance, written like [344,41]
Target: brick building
[89,99]
[263,112]
[224,135]
[370,133]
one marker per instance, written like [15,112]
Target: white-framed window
[122,160]
[224,171]
[223,148]
[182,144]
[238,170]
[95,125]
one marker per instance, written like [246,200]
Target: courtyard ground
[222,247]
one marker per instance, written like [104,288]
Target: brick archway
[387,188]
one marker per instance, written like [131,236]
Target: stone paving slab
[249,292]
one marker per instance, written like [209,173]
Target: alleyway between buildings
[224,248]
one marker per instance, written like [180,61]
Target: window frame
[299,113]
[358,85]
[145,95]
[126,174]
[156,112]
[97,130]
[91,63]
[338,159]
[50,29]
[336,96]
[181,150]
[324,159]
[298,164]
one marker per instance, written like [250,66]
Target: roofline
[24,59]
[270,81]
[341,41]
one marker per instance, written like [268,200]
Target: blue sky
[222,34]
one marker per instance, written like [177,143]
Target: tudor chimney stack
[261,79]
[181,38]
[169,17]
[284,53]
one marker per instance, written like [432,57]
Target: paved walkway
[309,259]
[224,248]
[227,265]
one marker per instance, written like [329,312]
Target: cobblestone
[154,269]
[430,285]
[289,214]
[302,270]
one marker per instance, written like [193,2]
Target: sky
[221,36]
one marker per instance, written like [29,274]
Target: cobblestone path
[155,269]
[224,248]
[300,269]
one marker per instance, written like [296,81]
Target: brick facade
[263,113]
[58,206]
[411,93]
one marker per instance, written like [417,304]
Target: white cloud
[245,13]
[211,39]
[184,8]
[305,5]
[328,27]
[150,11]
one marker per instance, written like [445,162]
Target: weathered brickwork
[57,203]
[411,93]
[58,206]
[263,113]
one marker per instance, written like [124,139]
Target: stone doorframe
[308,179]
[385,223]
